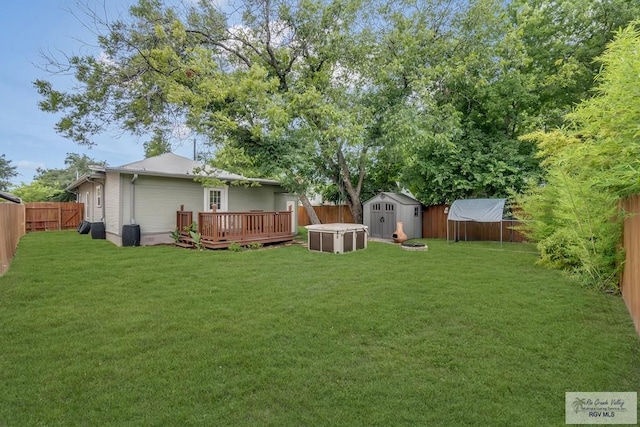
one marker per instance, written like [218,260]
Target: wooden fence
[328,214]
[434,226]
[43,216]
[12,226]
[630,283]
[434,222]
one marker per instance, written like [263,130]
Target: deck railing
[220,229]
[243,226]
[184,219]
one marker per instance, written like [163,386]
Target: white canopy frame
[475,210]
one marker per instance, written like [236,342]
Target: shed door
[383,220]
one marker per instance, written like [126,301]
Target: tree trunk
[354,193]
[356,211]
[313,216]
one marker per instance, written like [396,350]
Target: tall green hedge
[589,165]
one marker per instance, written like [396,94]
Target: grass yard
[462,334]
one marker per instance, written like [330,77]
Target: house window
[416,211]
[215,197]
[99,196]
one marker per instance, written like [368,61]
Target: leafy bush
[196,238]
[574,215]
[235,247]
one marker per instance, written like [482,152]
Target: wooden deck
[218,230]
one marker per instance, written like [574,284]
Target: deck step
[184,245]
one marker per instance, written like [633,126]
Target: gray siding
[87,195]
[111,196]
[157,200]
[82,198]
[152,203]
[242,199]
[282,199]
[125,199]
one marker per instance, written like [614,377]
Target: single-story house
[149,192]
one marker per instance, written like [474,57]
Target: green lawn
[462,334]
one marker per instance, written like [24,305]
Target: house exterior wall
[124,182]
[113,218]
[152,202]
[155,203]
[283,201]
[242,199]
[87,194]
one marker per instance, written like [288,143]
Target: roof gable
[403,199]
[170,164]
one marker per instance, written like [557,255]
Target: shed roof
[403,199]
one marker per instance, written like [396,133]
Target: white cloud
[28,164]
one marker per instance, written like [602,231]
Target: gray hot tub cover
[478,210]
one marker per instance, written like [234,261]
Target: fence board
[434,226]
[12,224]
[42,216]
[328,214]
[434,222]
[630,285]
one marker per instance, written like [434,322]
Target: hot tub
[337,238]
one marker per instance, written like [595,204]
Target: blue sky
[27,135]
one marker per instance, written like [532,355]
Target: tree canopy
[51,184]
[7,171]
[347,97]
[589,166]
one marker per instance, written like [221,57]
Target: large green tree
[51,184]
[158,145]
[280,85]
[457,130]
[7,171]
[505,69]
[355,96]
[562,38]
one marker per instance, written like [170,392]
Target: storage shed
[382,213]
